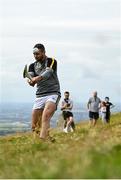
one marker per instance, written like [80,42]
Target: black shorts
[93,115]
[67,114]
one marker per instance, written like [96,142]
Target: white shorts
[41,101]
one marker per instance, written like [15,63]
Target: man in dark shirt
[109,105]
[66,107]
[43,73]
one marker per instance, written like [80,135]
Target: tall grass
[86,153]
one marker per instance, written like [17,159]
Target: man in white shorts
[44,74]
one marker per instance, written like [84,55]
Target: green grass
[86,153]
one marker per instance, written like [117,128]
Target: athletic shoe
[48,139]
[65,130]
[71,129]
[51,139]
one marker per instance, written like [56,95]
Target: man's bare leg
[48,112]
[36,118]
[90,123]
[94,122]
[70,120]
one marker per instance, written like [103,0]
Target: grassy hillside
[87,153]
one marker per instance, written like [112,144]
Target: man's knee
[50,109]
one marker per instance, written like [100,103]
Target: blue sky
[83,35]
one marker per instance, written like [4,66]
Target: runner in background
[66,107]
[109,105]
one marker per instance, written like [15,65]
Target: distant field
[86,153]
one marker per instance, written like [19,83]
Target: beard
[40,58]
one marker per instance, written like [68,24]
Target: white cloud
[31,26]
[84,36]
